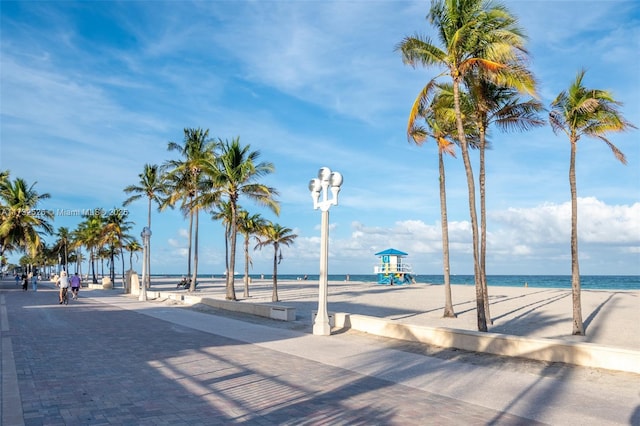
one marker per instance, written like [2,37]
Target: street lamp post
[326,180]
[146,235]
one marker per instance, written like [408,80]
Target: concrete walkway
[109,359]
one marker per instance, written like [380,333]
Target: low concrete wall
[554,350]
[267,310]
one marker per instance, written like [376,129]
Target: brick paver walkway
[89,363]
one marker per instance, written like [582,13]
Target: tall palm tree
[277,236]
[22,222]
[185,177]
[248,225]
[501,106]
[114,235]
[238,172]
[474,34]
[132,247]
[63,244]
[89,234]
[152,186]
[222,212]
[436,108]
[576,112]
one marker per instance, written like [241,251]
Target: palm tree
[185,177]
[436,108]
[222,212]
[237,174]
[578,112]
[475,34]
[22,222]
[114,234]
[132,247]
[276,235]
[89,234]
[152,186]
[492,104]
[62,245]
[248,225]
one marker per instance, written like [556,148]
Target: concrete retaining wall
[554,350]
[267,310]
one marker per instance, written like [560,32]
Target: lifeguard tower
[392,270]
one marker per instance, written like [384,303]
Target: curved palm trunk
[274,294]
[578,326]
[246,266]
[483,228]
[448,304]
[481,318]
[195,255]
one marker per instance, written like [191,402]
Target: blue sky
[91,91]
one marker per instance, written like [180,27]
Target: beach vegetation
[22,224]
[114,235]
[249,225]
[185,181]
[580,111]
[238,173]
[502,107]
[133,247]
[222,212]
[276,235]
[151,185]
[62,246]
[436,110]
[88,234]
[477,39]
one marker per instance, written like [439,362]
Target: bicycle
[65,296]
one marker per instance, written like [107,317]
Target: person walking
[75,285]
[25,282]
[34,282]
[63,283]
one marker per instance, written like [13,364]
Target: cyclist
[63,283]
[75,285]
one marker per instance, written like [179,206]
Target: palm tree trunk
[483,228]
[246,266]
[190,238]
[124,278]
[93,267]
[448,304]
[112,266]
[148,283]
[578,326]
[274,295]
[231,292]
[481,318]
[195,254]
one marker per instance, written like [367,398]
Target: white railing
[393,268]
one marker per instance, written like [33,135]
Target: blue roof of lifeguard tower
[391,251]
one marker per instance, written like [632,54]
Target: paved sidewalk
[109,359]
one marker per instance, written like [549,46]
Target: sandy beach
[611,317]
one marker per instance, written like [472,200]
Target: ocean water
[587,282]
